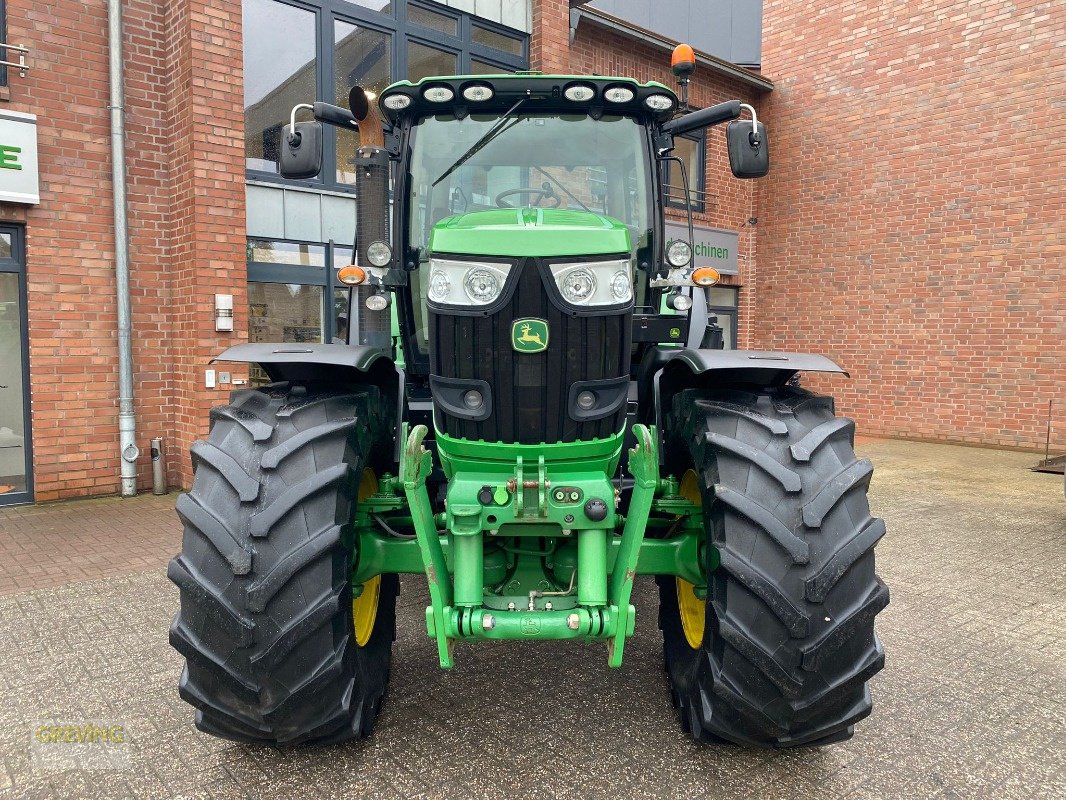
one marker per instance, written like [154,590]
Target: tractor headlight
[379,253]
[466,283]
[595,283]
[679,253]
[482,286]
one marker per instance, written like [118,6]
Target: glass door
[16,475]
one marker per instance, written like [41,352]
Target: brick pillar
[550,42]
[208,205]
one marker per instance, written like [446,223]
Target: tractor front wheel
[778,651]
[280,648]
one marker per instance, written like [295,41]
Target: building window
[691,149]
[722,303]
[293,292]
[3,38]
[297,51]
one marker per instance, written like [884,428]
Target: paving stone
[969,705]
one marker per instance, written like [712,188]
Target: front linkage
[513,560]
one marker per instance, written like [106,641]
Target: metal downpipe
[127,426]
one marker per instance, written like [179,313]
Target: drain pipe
[127,425]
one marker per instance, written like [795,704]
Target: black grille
[530,390]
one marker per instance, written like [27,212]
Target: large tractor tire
[779,653]
[277,651]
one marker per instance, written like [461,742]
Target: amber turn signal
[351,276]
[706,276]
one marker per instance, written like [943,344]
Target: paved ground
[970,704]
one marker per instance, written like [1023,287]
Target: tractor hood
[518,232]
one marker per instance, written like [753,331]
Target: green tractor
[532,408]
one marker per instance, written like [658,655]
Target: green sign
[529,335]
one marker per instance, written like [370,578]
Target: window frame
[325,277]
[396,24]
[733,311]
[699,194]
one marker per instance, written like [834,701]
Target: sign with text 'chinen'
[712,247]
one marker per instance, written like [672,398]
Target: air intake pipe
[369,313]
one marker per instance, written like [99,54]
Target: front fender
[307,362]
[667,371]
[752,366]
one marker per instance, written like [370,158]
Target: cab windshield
[541,160]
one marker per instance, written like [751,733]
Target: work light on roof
[438,94]
[579,93]
[659,102]
[478,93]
[619,94]
[397,102]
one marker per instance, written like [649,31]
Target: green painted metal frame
[454,561]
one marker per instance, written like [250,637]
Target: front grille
[530,391]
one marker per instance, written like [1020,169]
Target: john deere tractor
[531,409]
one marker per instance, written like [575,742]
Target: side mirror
[749,150]
[301,150]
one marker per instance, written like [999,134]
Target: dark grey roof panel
[728,29]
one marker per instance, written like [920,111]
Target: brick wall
[70,244]
[204,54]
[912,225]
[186,220]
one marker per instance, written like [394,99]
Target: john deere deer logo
[529,335]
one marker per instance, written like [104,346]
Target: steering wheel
[544,193]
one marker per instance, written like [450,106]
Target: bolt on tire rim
[365,606]
[693,611]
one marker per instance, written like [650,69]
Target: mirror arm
[754,123]
[704,118]
[294,137]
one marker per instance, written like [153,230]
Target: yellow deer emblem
[529,335]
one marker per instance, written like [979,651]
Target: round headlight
[439,286]
[659,102]
[397,102]
[377,302]
[618,94]
[680,302]
[679,253]
[481,285]
[586,400]
[578,286]
[478,93]
[438,94]
[379,254]
[621,287]
[579,93]
[473,400]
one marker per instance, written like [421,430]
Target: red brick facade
[912,225]
[185,167]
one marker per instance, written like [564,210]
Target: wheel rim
[365,606]
[693,611]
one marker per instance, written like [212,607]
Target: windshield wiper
[506,122]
